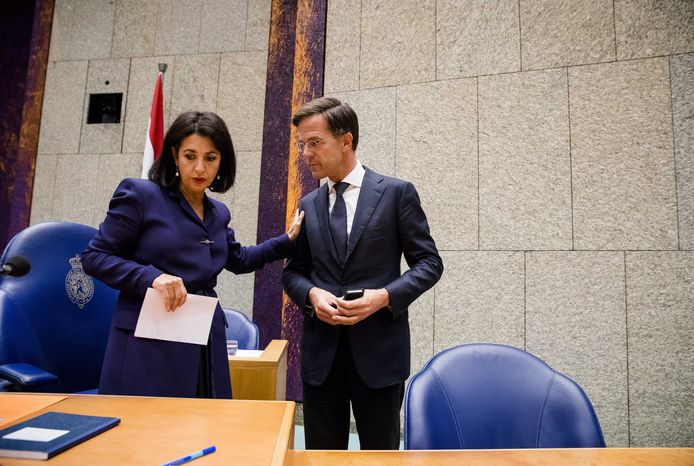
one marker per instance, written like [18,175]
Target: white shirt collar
[354,178]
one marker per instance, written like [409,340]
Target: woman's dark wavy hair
[163,171]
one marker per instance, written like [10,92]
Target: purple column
[294,76]
[25,31]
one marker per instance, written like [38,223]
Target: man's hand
[324,303]
[356,310]
[172,290]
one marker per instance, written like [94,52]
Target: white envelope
[189,323]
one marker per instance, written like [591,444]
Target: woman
[165,233]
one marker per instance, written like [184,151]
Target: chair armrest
[24,376]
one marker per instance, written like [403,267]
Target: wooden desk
[263,378]
[156,430]
[572,457]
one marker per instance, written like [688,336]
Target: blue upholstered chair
[54,320]
[490,396]
[242,329]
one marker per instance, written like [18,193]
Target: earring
[219,177]
[177,173]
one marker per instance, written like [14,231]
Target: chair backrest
[55,317]
[242,329]
[491,396]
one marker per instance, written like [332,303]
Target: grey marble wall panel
[258,24]
[134,29]
[480,299]
[342,44]
[622,156]
[143,78]
[682,85]
[376,112]
[525,168]
[576,322]
[244,210]
[63,100]
[75,183]
[566,32]
[104,77]
[647,28]
[223,25]
[241,100]
[112,169]
[661,367]
[236,291]
[437,151]
[178,27]
[63,13]
[81,29]
[398,42]
[476,37]
[194,85]
[44,186]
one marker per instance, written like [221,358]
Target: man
[356,228]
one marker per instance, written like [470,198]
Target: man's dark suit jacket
[389,222]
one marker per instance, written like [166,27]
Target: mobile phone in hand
[353,294]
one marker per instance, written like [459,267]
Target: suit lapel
[370,195]
[320,203]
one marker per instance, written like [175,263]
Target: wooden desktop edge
[635,456]
[285,437]
[271,355]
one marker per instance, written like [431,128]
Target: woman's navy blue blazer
[150,230]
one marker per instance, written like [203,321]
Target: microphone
[16,266]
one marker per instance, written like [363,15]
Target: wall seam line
[571,162]
[626,335]
[674,154]
[477,89]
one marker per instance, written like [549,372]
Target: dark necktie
[338,221]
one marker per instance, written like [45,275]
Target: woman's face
[198,163]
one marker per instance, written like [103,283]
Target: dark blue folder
[80,428]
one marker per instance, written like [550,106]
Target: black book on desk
[45,436]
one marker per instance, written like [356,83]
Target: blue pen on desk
[191,457]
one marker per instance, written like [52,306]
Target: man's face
[325,154]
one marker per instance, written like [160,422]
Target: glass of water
[232,347]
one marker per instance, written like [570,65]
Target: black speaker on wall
[104,108]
